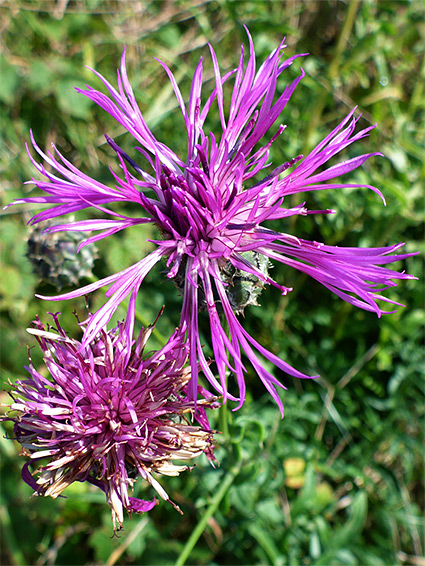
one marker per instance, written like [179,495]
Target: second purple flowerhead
[108,415]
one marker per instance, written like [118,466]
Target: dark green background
[356,496]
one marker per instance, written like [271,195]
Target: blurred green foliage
[338,481]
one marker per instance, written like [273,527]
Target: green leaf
[9,81]
[72,102]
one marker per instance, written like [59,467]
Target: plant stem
[224,420]
[15,552]
[193,539]
[333,68]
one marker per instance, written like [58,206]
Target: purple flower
[107,415]
[211,208]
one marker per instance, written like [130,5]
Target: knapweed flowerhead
[107,415]
[212,206]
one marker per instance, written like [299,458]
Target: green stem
[15,552]
[417,94]
[193,539]
[224,420]
[343,38]
[333,68]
